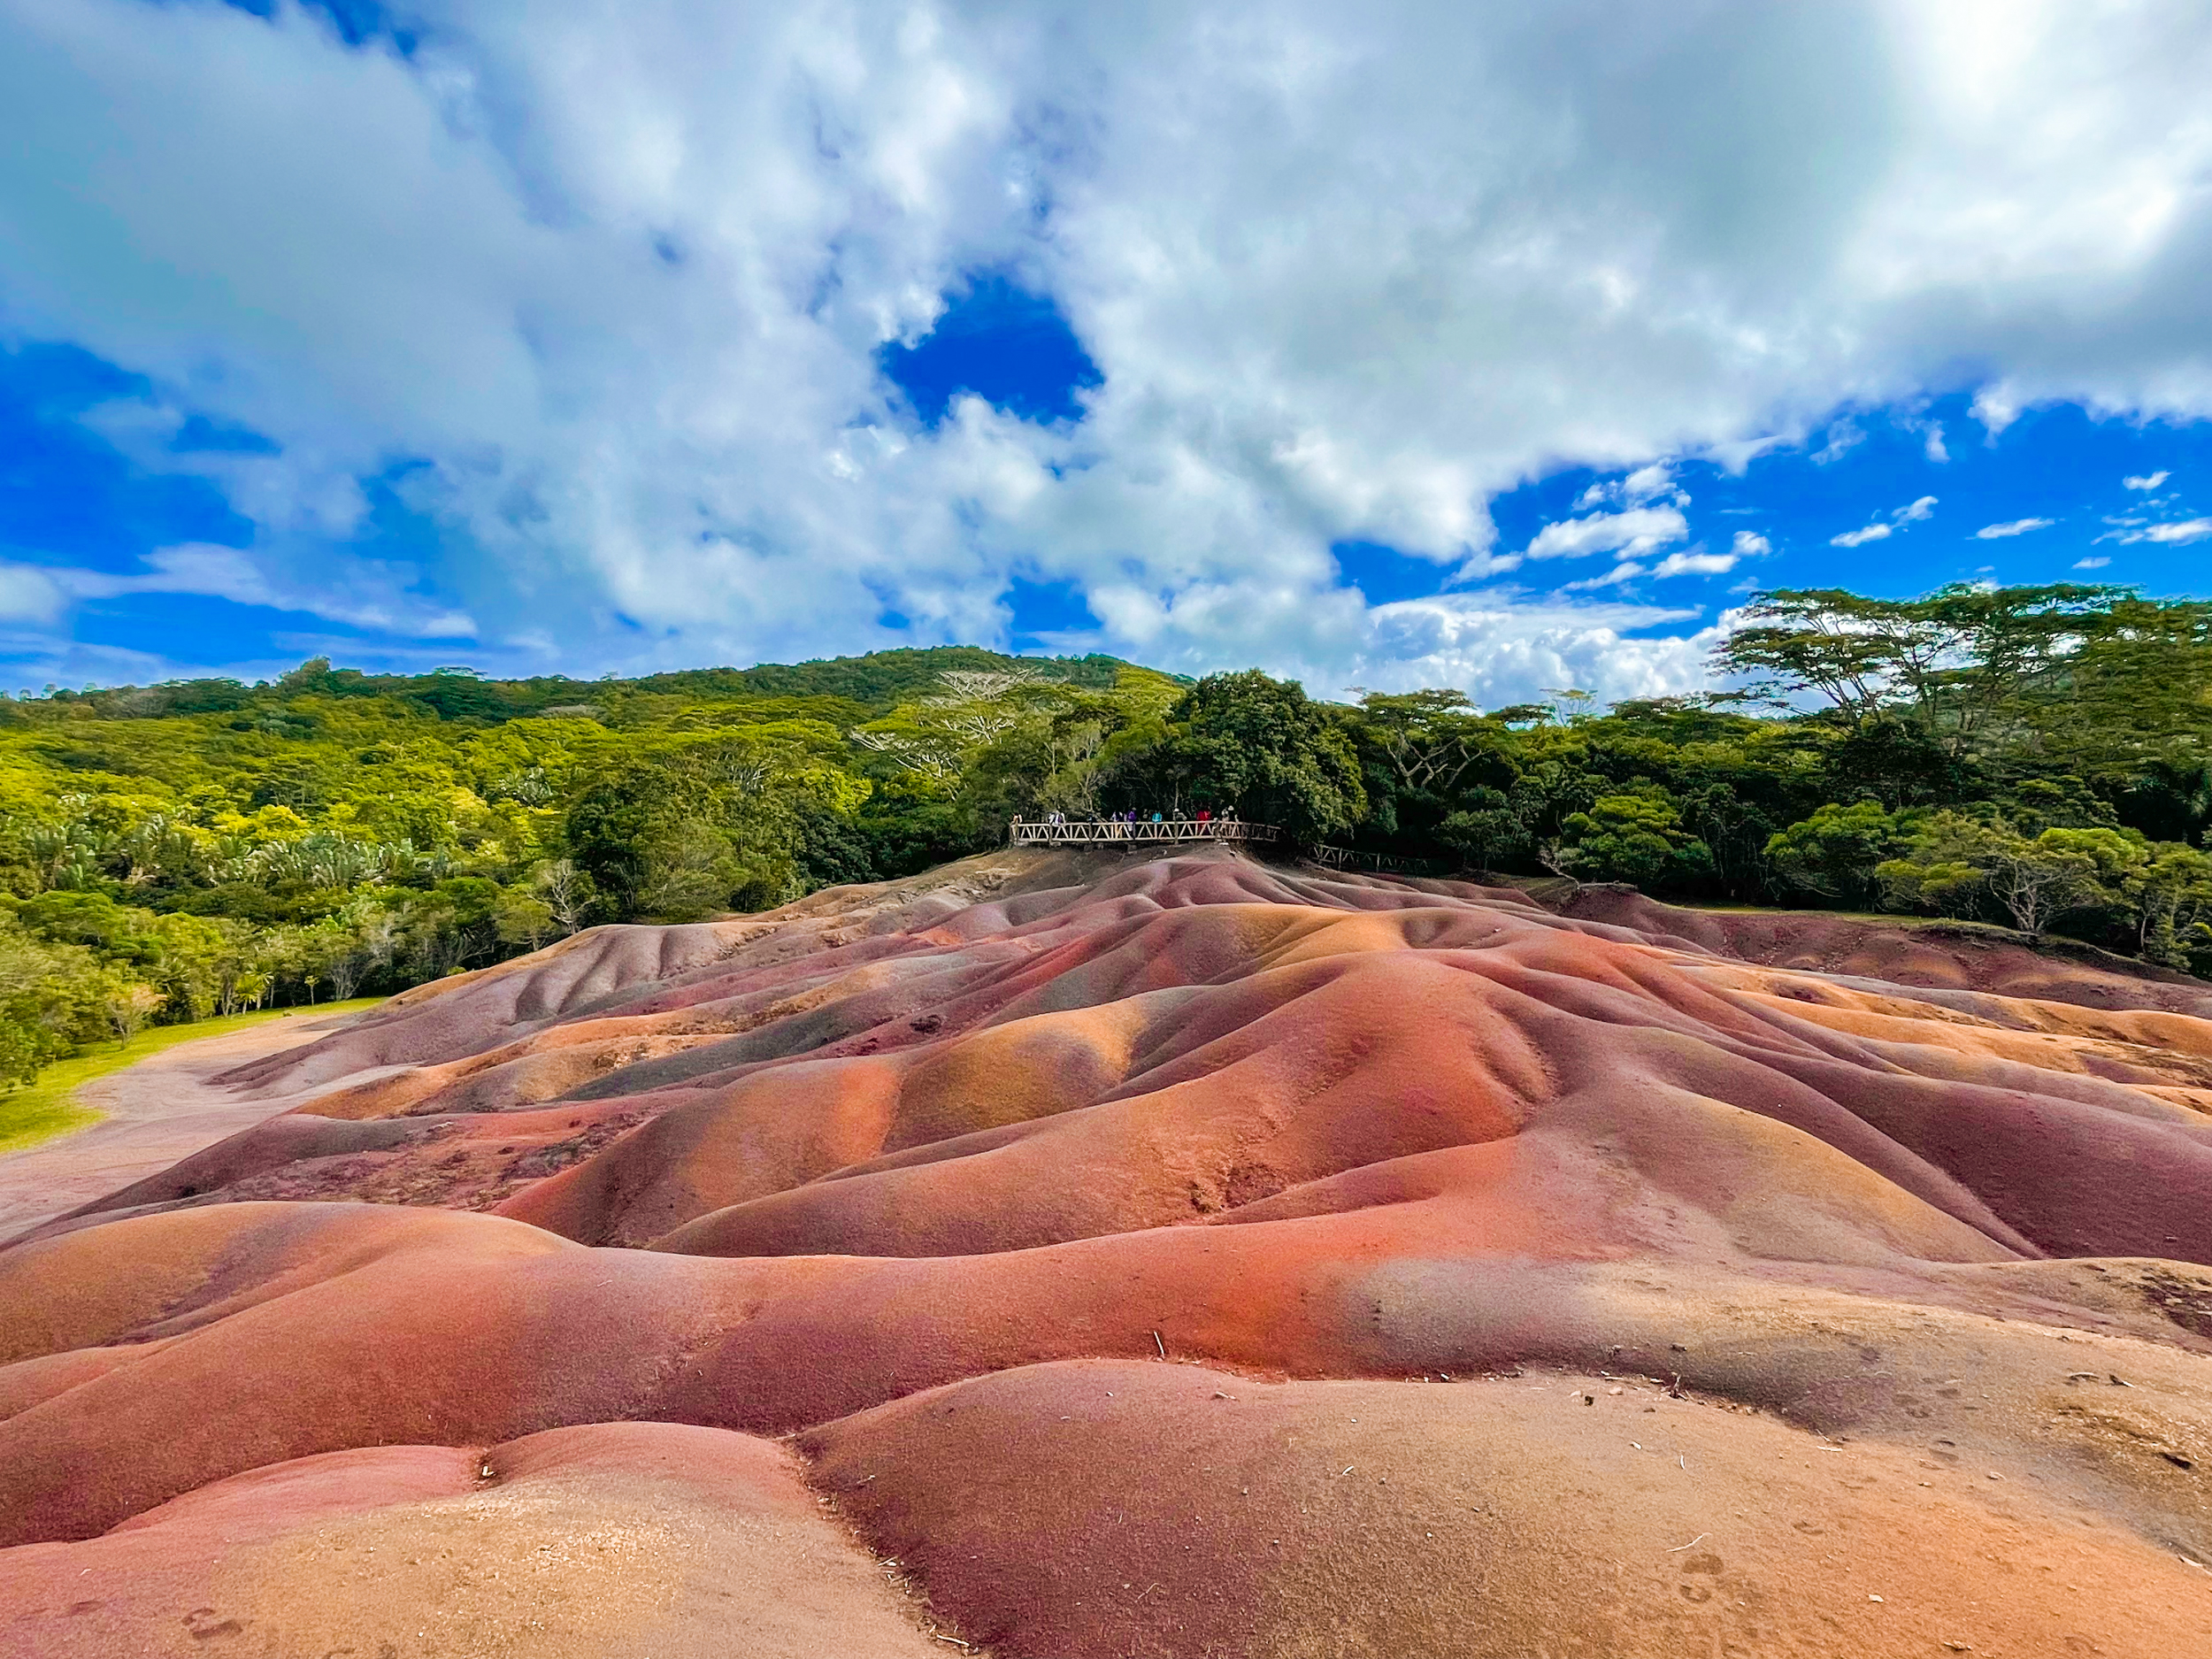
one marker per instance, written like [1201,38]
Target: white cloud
[1696,565]
[1682,564]
[1933,448]
[1502,651]
[2148,480]
[1997,407]
[1645,484]
[2172,534]
[1736,457]
[1912,513]
[1860,538]
[2017,526]
[1348,272]
[29,594]
[2187,530]
[2091,563]
[360,594]
[1843,437]
[1639,530]
[1749,544]
[1626,569]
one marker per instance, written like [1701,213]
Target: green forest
[2038,758]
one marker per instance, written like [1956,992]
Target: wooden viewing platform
[1085,830]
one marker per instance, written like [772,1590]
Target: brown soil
[1177,1258]
[163,1109]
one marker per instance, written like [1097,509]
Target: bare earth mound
[1077,1260]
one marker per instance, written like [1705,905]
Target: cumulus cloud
[1749,544]
[1913,512]
[2017,526]
[2091,563]
[2148,480]
[609,283]
[1501,649]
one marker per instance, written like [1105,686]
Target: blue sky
[1446,345]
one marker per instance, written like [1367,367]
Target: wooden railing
[1381,864]
[1023,834]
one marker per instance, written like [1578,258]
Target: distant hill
[873,683]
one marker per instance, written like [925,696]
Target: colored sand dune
[1074,1256]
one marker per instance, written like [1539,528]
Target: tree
[1487,831]
[1958,661]
[129,1006]
[654,830]
[1836,851]
[1544,798]
[1952,861]
[236,960]
[689,871]
[1263,746]
[1897,763]
[523,918]
[1428,739]
[1636,837]
[2140,684]
[1735,832]
[566,892]
[609,818]
[2067,803]
[50,1001]
[2168,798]
[2169,893]
[182,961]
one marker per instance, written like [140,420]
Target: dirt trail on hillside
[1065,1258]
[163,1109]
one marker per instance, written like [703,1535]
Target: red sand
[925,1171]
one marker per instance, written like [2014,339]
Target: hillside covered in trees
[2039,758]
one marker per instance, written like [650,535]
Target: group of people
[1127,824]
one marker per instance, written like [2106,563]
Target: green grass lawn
[1887,918]
[49,1107]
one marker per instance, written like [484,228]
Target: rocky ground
[1062,1257]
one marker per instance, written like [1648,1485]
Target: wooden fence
[1086,831]
[1380,864]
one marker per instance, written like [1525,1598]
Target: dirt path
[159,1110]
